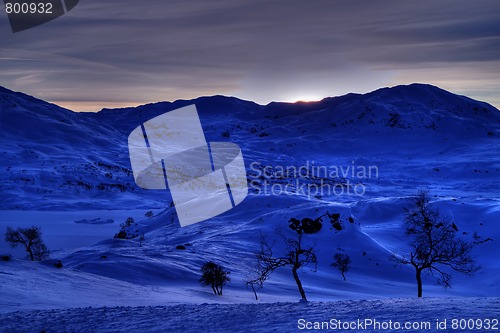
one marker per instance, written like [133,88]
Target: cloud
[123,51]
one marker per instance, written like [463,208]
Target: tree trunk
[28,249]
[254,292]
[419,282]
[343,275]
[299,284]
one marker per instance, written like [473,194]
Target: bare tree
[296,255]
[435,247]
[342,261]
[31,239]
[261,271]
[252,282]
[215,276]
[256,277]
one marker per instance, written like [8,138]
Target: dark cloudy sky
[107,53]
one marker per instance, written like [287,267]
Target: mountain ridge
[401,88]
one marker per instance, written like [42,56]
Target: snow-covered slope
[415,136]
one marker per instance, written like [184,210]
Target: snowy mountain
[52,155]
[386,144]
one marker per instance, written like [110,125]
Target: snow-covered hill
[418,135]
[72,165]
